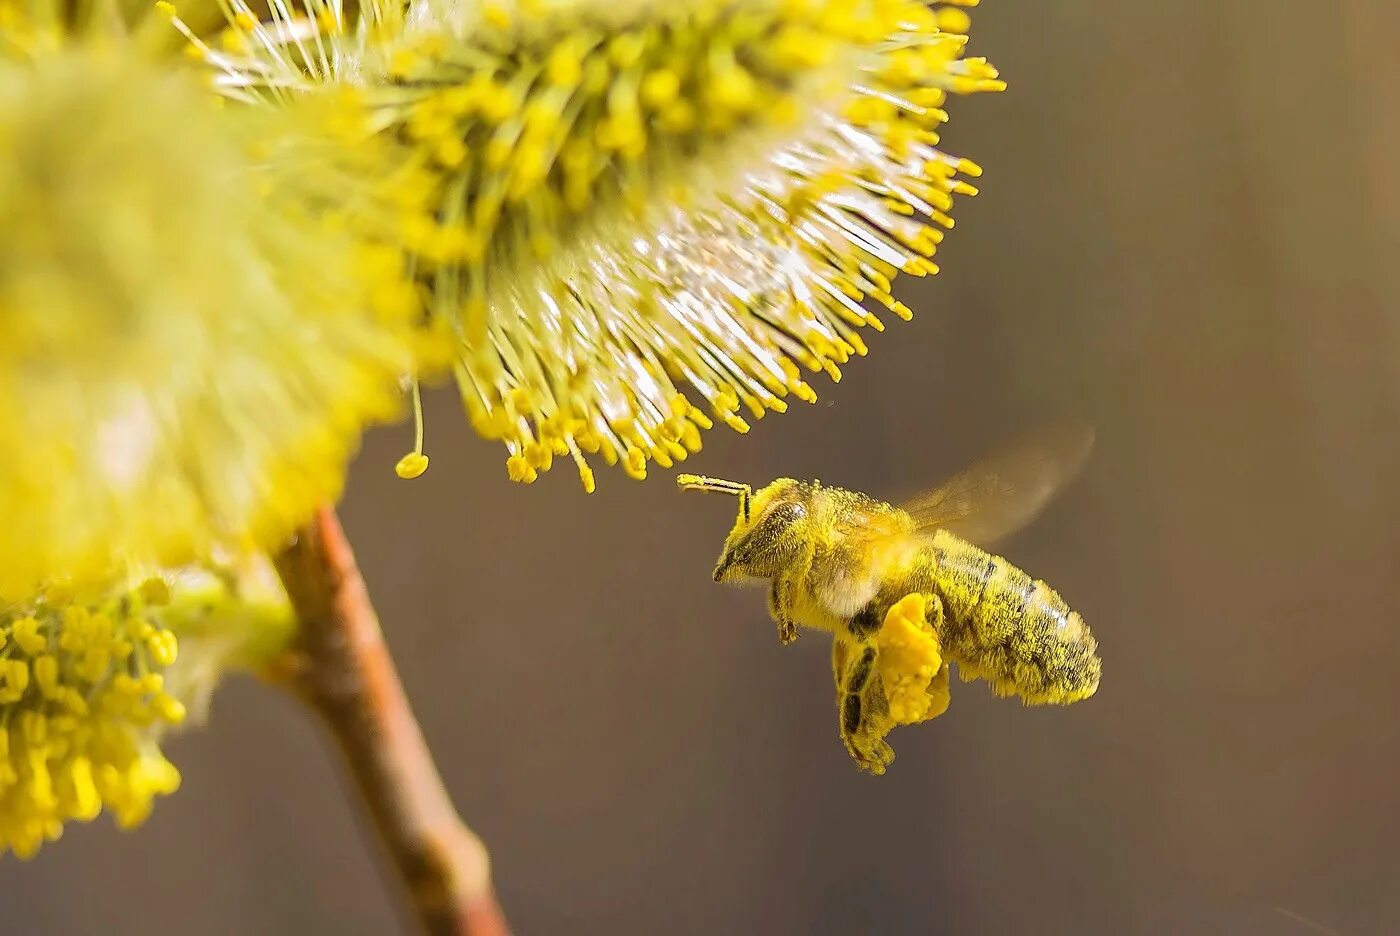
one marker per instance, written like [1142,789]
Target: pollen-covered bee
[904,590]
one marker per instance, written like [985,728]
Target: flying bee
[904,590]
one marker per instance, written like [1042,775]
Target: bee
[904,590]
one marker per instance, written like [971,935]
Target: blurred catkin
[189,347]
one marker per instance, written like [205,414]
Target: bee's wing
[1002,493]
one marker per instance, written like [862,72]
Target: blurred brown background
[1188,235]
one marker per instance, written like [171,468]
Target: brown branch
[343,669]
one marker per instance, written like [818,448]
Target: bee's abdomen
[1014,631]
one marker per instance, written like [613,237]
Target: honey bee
[904,590]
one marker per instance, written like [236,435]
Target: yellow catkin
[91,679]
[196,340]
[632,202]
[83,701]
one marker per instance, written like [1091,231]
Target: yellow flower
[636,209]
[89,682]
[189,348]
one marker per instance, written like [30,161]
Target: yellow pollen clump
[909,660]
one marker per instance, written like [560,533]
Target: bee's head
[768,532]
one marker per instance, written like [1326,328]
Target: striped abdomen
[1009,629]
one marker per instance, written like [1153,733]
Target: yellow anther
[660,88]
[411,465]
[169,709]
[14,680]
[163,648]
[539,455]
[635,462]
[26,634]
[733,89]
[735,421]
[85,803]
[521,470]
[680,117]
[626,49]
[690,437]
[46,675]
[451,152]
[565,65]
[73,702]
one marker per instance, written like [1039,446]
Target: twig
[343,669]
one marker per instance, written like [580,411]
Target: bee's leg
[937,691]
[863,710]
[780,601]
[913,674]
[840,660]
[866,622]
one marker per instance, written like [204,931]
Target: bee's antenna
[690,482]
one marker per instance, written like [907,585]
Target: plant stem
[342,668]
